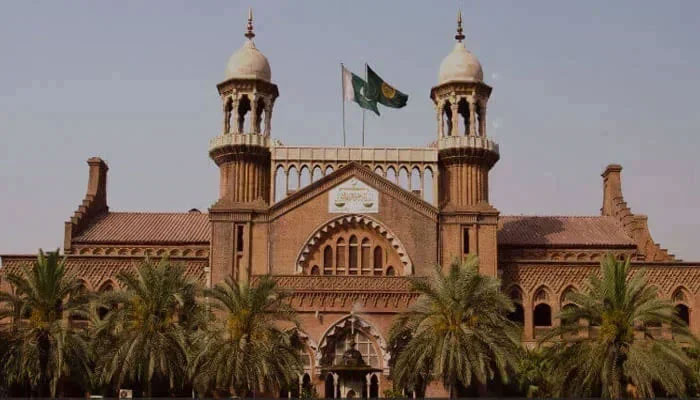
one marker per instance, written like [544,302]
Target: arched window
[391,174]
[543,315]
[352,256]
[365,257]
[329,170]
[683,313]
[518,314]
[260,117]
[292,180]
[329,387]
[416,182]
[428,194]
[315,270]
[243,108]
[447,119]
[316,174]
[378,264]
[280,183]
[390,271]
[328,260]
[463,123]
[106,287]
[304,177]
[374,387]
[340,257]
[379,171]
[403,178]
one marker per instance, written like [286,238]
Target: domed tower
[465,157]
[242,150]
[242,153]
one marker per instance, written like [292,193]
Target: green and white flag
[354,89]
[380,91]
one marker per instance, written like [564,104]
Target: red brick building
[340,227]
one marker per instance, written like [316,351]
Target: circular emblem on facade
[388,91]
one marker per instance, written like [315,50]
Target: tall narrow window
[328,260]
[378,264]
[340,257]
[465,241]
[239,238]
[352,259]
[366,267]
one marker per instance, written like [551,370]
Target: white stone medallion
[353,196]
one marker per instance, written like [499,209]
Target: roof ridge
[555,216]
[157,212]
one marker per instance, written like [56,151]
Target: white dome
[249,63]
[460,65]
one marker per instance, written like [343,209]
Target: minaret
[242,153]
[465,157]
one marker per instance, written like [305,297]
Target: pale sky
[577,85]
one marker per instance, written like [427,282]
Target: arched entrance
[352,358]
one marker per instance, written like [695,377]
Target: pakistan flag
[355,89]
[383,93]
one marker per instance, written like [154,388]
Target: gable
[365,179]
[356,192]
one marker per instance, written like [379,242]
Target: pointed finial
[249,33]
[460,35]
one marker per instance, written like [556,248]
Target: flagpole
[363,110]
[342,98]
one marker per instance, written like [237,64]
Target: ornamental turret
[468,223]
[465,152]
[242,149]
[242,153]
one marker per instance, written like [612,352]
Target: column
[368,379]
[528,328]
[455,120]
[286,182]
[227,115]
[254,115]
[482,120]
[234,115]
[472,116]
[335,386]
[268,115]
[439,107]
[436,185]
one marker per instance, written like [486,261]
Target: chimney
[612,188]
[97,183]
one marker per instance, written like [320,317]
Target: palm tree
[533,373]
[245,350]
[459,330]
[43,345]
[145,334]
[622,356]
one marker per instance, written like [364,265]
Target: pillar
[455,120]
[482,121]
[528,325]
[439,119]
[472,116]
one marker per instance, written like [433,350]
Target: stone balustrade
[232,139]
[475,142]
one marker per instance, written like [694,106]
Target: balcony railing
[475,142]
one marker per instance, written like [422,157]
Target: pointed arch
[313,240]
[403,178]
[316,174]
[356,322]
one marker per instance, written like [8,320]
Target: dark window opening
[543,315]
[239,238]
[465,241]
[517,315]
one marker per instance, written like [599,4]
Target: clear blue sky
[577,85]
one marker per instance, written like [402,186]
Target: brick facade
[345,269]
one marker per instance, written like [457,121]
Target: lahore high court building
[339,227]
